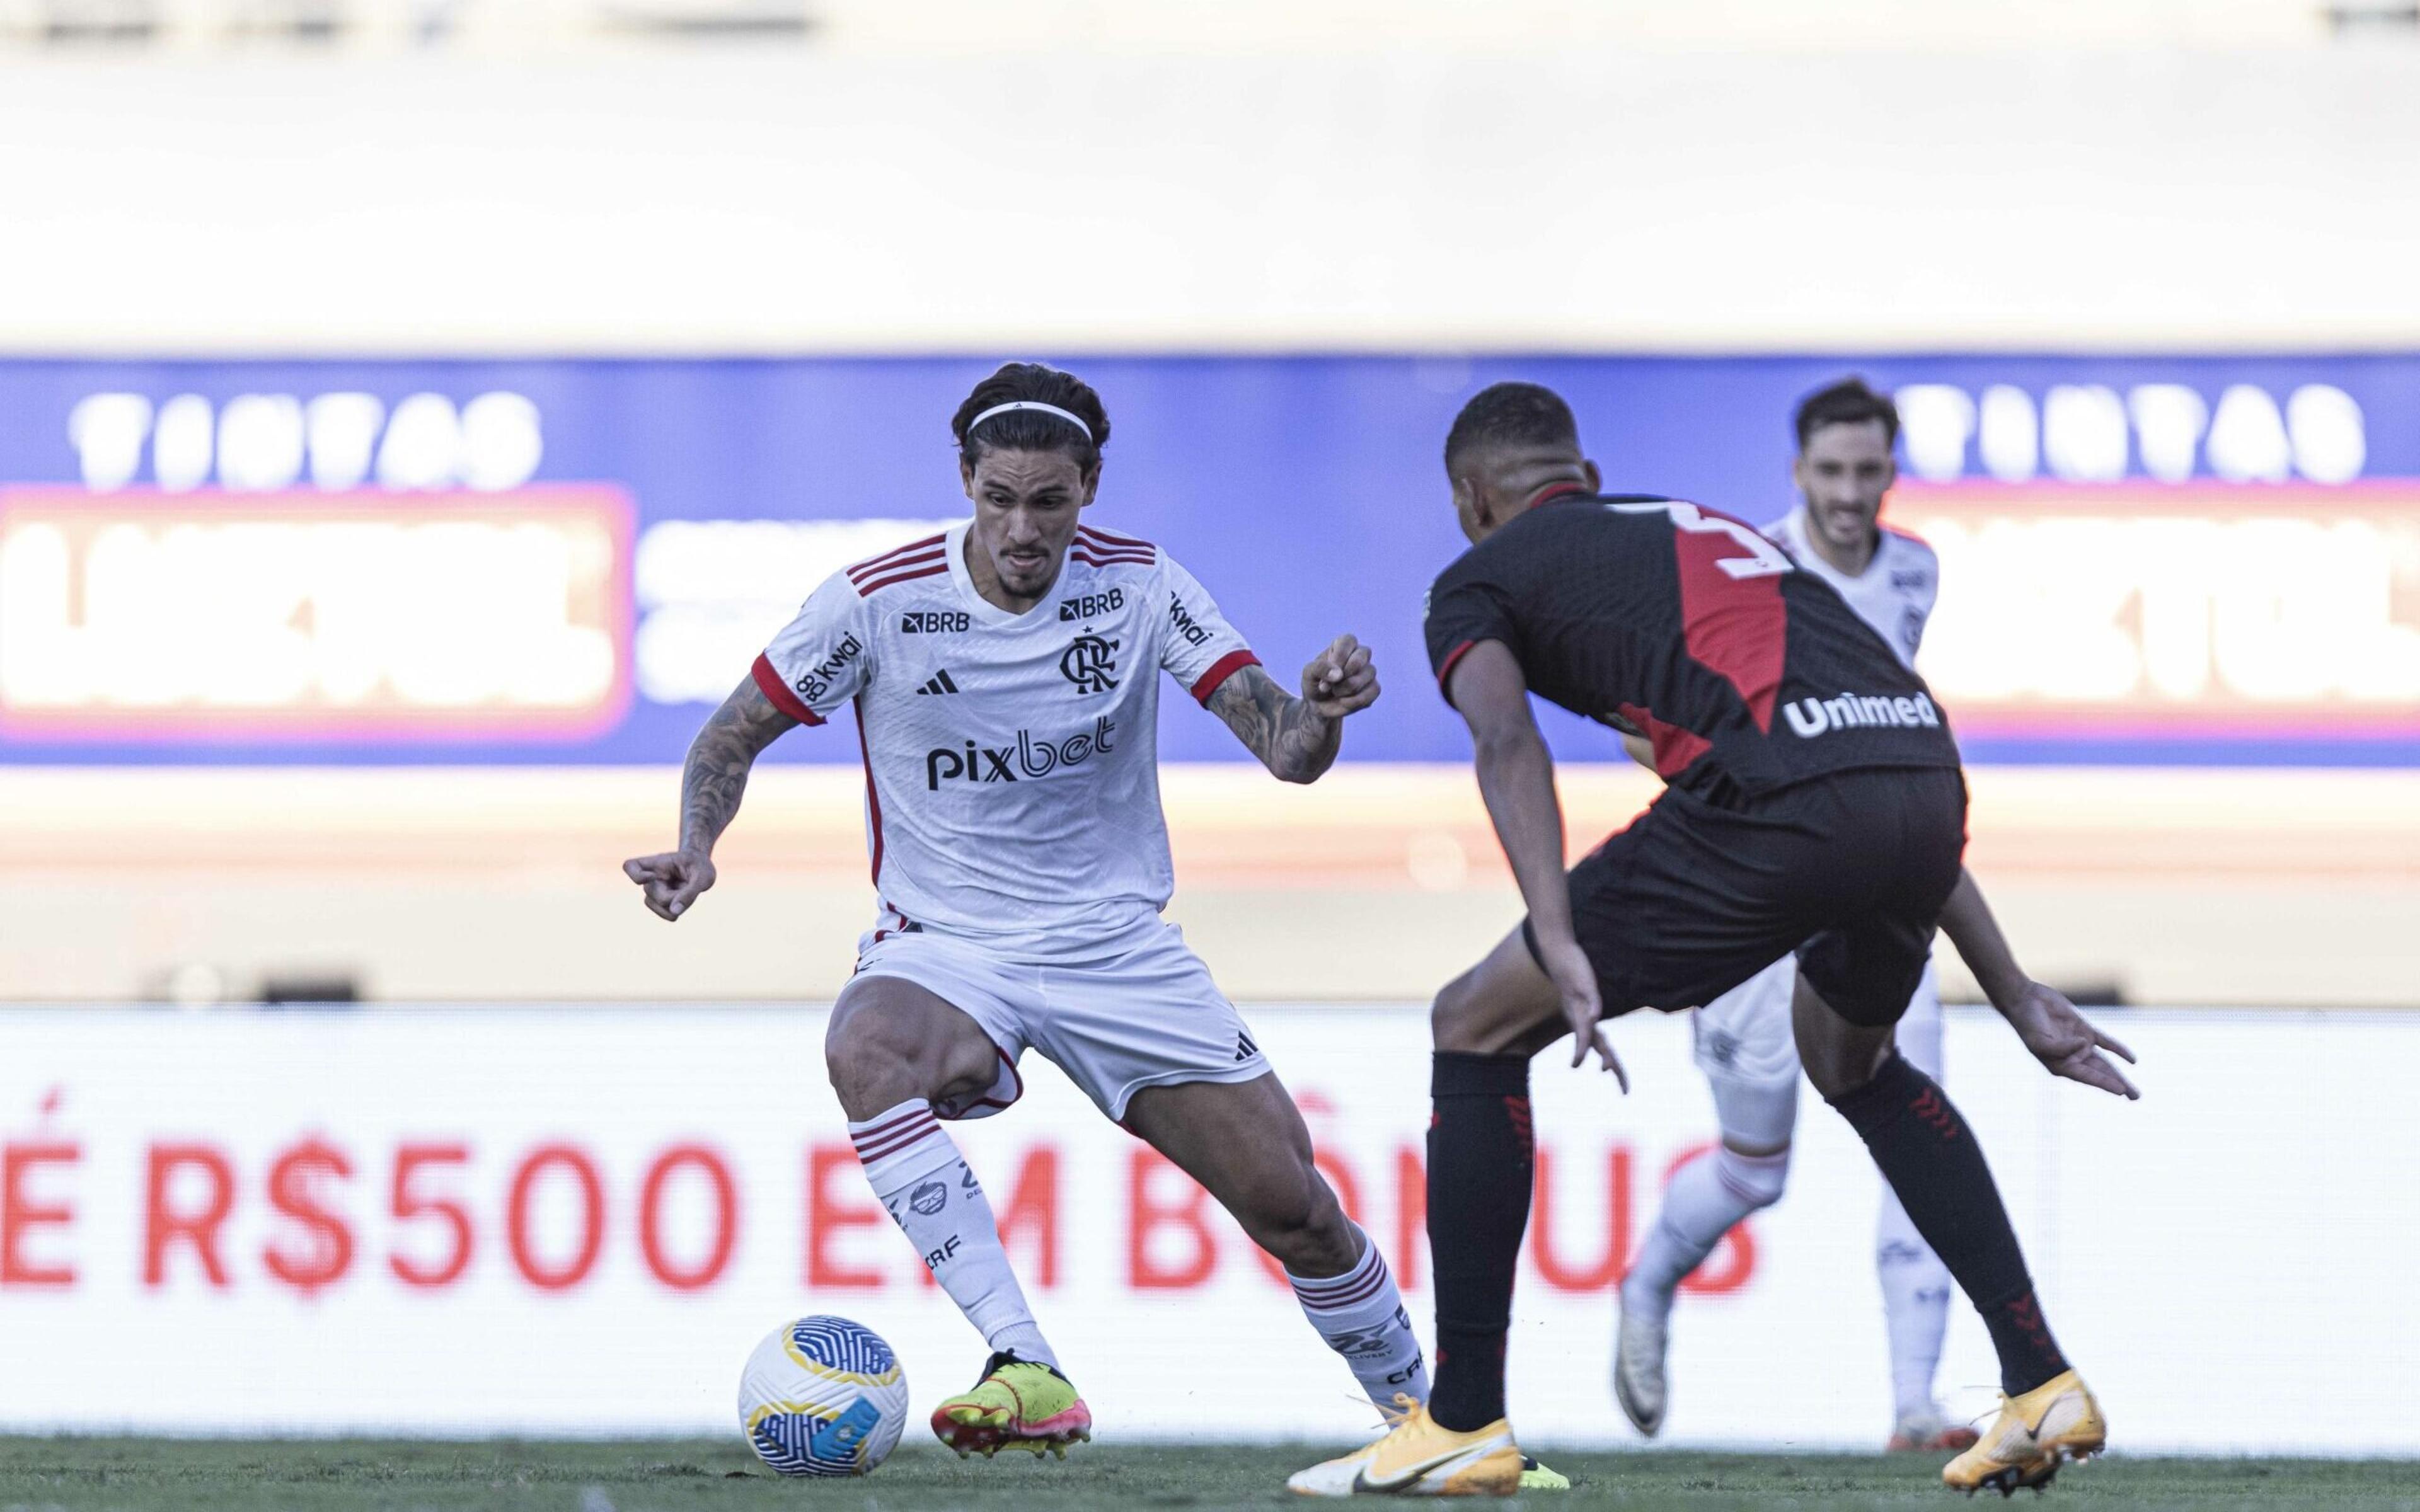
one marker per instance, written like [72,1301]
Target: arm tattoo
[716,773]
[1292,740]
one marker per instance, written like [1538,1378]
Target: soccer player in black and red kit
[1814,802]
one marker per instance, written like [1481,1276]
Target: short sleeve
[1462,611]
[821,659]
[1200,649]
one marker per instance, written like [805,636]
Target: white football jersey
[1894,595]
[1012,768]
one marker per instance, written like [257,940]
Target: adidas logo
[1244,1048]
[940,682]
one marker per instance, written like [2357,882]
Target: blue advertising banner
[2145,559]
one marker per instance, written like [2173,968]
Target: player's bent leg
[1246,1143]
[1916,1287]
[1485,1025]
[893,1050]
[890,1039]
[1505,1005]
[1931,1158]
[1746,1170]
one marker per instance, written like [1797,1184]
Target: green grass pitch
[141,1475]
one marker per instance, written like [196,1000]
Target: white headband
[1074,420]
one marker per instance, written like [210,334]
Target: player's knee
[1458,1020]
[1843,1071]
[1760,1180]
[1303,1225]
[873,1064]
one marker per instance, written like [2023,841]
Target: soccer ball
[823,1397]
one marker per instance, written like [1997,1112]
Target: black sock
[1931,1159]
[1480,1152]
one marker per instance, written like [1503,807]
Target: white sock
[1707,1197]
[924,1184]
[1362,1316]
[1916,1288]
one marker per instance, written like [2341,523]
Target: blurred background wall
[414,414]
[716,176]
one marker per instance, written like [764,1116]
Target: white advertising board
[557,1221]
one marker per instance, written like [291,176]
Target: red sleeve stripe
[1105,538]
[867,590]
[924,545]
[780,693]
[919,559]
[1445,667]
[1224,668]
[1124,559]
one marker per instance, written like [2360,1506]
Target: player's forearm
[1306,745]
[713,781]
[1294,741]
[1516,777]
[1966,919]
[714,776]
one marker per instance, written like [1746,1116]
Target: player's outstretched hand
[671,881]
[1340,680]
[1567,967]
[2064,1041]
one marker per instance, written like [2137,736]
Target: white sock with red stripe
[1362,1316]
[1916,1292]
[926,1185]
[1707,1195]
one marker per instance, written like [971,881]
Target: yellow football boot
[1418,1458]
[2034,1434]
[1018,1404]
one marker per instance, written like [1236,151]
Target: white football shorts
[1744,1034]
[1144,1015]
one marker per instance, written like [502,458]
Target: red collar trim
[1560,490]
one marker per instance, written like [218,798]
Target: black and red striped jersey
[1692,629]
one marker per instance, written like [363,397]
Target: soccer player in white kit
[1005,675]
[1846,434]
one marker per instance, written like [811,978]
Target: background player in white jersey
[1846,434]
[1005,679]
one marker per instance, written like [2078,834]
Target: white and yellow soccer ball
[823,1397]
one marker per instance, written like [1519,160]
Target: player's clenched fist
[1340,680]
[671,881]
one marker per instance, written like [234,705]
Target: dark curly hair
[1032,430]
[1848,402]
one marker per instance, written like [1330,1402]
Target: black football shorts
[1850,870]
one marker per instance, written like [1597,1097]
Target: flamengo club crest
[1087,663]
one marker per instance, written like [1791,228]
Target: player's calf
[891,1037]
[1362,1315]
[928,1189]
[1246,1143]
